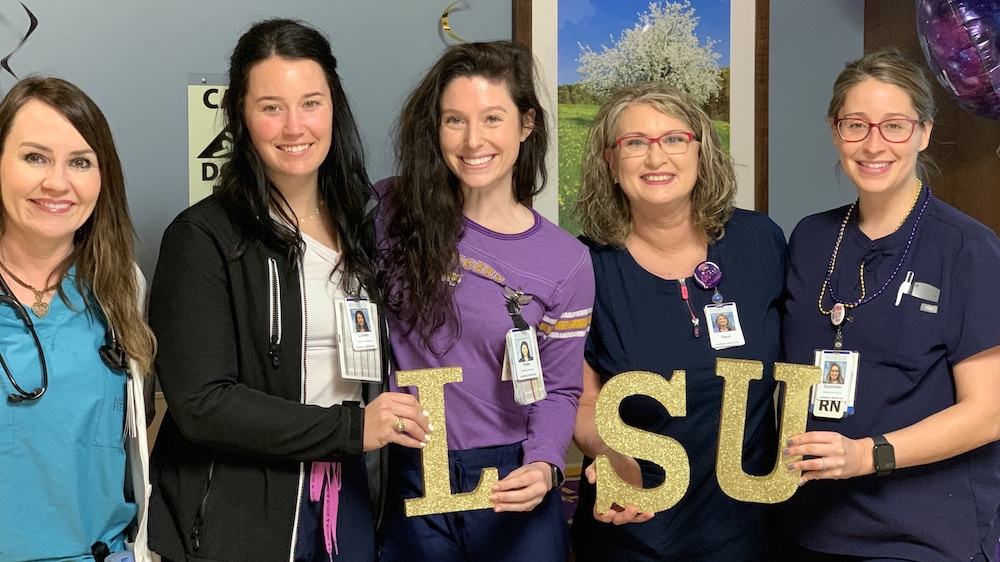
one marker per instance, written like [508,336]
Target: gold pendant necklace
[39,308]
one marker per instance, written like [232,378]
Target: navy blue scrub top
[941,511]
[640,322]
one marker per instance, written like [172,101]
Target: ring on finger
[824,463]
[400,425]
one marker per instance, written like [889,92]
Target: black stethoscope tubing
[23,395]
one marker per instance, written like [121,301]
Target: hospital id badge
[523,367]
[724,329]
[833,396]
[358,340]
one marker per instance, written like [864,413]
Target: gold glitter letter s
[434,457]
[634,442]
[780,484]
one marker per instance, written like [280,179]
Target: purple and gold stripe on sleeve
[573,324]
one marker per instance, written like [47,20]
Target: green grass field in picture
[574,123]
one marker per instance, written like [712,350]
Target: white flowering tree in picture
[662,46]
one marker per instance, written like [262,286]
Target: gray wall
[134,57]
[809,44]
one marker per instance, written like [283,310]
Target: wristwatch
[556,477]
[883,456]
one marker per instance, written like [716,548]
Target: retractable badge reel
[722,318]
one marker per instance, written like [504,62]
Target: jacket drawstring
[325,482]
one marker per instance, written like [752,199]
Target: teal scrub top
[62,457]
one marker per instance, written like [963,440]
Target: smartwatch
[883,456]
[556,477]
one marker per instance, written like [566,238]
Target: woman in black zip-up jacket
[260,456]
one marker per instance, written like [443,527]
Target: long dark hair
[104,247]
[424,203]
[244,187]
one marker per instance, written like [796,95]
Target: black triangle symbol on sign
[218,147]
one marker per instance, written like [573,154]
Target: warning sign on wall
[207,142]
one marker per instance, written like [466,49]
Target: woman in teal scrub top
[72,481]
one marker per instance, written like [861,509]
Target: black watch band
[883,456]
[556,477]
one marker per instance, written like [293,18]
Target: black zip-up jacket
[226,465]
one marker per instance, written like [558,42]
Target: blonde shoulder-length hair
[603,210]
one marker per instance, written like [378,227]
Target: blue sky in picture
[595,22]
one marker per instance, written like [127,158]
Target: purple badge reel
[708,275]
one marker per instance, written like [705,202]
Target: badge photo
[524,366]
[833,396]
[357,322]
[724,328]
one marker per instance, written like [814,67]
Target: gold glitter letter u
[634,442]
[781,483]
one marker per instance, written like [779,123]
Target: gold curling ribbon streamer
[446,26]
[781,483]
[635,442]
[434,456]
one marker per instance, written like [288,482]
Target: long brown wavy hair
[603,210]
[104,247]
[424,203]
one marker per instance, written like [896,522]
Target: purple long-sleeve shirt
[553,267]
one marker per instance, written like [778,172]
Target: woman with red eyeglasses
[902,286]
[671,254]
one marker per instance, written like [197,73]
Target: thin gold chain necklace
[313,214]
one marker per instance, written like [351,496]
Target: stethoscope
[111,353]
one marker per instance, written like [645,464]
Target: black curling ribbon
[31,29]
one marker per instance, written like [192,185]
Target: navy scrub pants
[539,535]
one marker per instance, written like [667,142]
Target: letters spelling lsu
[775,487]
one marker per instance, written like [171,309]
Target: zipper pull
[695,323]
[196,533]
[272,352]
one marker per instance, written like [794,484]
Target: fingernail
[784,452]
[422,444]
[791,467]
[427,414]
[493,498]
[802,482]
[430,427]
[790,443]
[495,488]
[427,437]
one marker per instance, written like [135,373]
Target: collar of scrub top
[111,352]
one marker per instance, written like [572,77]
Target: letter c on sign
[208,102]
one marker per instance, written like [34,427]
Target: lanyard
[515,298]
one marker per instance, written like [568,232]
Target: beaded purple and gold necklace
[839,310]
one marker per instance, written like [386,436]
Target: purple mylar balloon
[961,42]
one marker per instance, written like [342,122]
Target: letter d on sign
[634,442]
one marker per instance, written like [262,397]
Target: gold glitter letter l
[434,457]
